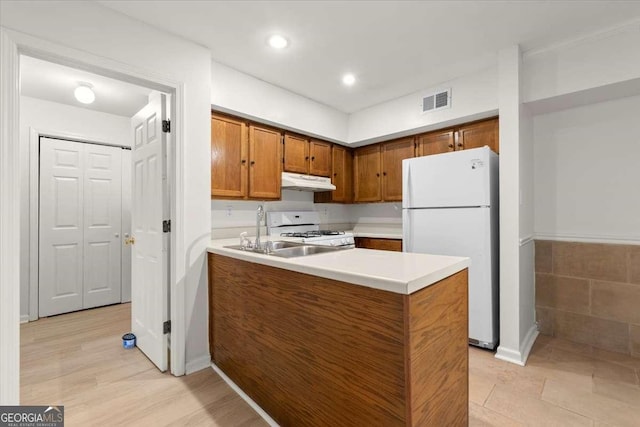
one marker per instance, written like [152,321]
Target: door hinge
[166,226]
[166,327]
[166,126]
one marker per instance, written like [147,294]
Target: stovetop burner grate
[308,234]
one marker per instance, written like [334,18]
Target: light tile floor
[77,360]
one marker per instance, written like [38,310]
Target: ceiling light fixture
[84,93]
[277,41]
[349,79]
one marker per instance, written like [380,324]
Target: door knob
[130,241]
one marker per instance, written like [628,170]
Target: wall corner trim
[198,364]
[519,357]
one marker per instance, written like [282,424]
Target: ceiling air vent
[436,101]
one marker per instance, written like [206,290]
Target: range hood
[296,181]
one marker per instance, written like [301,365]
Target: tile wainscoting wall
[589,293]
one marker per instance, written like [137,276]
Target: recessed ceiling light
[349,79]
[277,41]
[84,94]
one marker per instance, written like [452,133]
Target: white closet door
[61,227]
[80,226]
[102,225]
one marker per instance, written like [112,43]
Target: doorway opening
[86,242]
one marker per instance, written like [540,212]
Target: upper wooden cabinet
[435,142]
[308,157]
[229,157]
[472,135]
[393,153]
[366,174]
[478,134]
[296,154]
[265,154]
[320,153]
[341,177]
[378,170]
[245,160]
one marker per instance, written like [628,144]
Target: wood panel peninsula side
[314,345]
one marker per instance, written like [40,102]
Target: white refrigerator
[450,207]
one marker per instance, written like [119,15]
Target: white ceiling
[393,47]
[56,83]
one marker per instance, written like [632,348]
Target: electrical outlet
[229,208]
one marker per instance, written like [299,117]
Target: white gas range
[304,227]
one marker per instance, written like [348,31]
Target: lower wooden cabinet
[380,244]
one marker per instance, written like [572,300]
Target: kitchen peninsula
[352,337]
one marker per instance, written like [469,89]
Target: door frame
[34,205]
[14,44]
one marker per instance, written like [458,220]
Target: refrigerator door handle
[407,245]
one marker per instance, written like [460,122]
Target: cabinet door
[342,166]
[366,176]
[392,155]
[265,160]
[296,154]
[478,135]
[435,143]
[320,158]
[228,157]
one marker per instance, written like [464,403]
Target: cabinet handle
[377,174]
[459,145]
[313,158]
[335,174]
[253,162]
[450,145]
[306,158]
[243,161]
[384,174]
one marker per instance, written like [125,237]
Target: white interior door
[61,227]
[149,286]
[102,225]
[80,226]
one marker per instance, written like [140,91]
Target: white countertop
[398,272]
[378,231]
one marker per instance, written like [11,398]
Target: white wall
[474,96]
[601,59]
[237,93]
[587,174]
[87,31]
[57,119]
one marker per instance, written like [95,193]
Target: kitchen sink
[286,249]
[303,250]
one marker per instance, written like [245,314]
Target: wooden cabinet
[472,135]
[296,154]
[308,157]
[478,134]
[378,170]
[380,244]
[245,160]
[341,177]
[265,152]
[393,153]
[435,142]
[229,154]
[366,174]
[320,163]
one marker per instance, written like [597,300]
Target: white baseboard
[24,318]
[245,397]
[520,356]
[198,364]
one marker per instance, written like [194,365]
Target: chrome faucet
[259,216]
